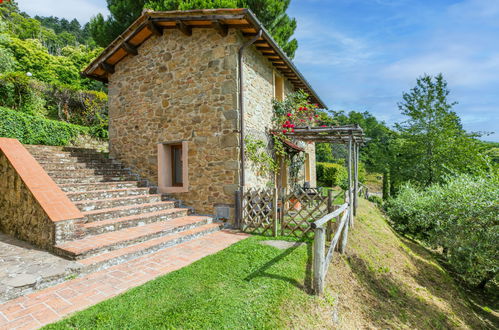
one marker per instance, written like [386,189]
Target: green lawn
[243,286]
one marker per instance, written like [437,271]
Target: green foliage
[27,46]
[432,141]
[69,31]
[272,14]
[35,130]
[261,157]
[123,13]
[331,174]
[19,92]
[460,216]
[7,60]
[77,106]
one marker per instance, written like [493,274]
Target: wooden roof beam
[184,28]
[156,30]
[130,49]
[221,28]
[109,68]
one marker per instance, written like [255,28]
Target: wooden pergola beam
[184,28]
[130,49]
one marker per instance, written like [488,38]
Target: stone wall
[258,93]
[21,215]
[180,88]
[185,88]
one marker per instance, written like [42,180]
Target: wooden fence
[268,211]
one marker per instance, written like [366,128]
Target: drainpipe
[241,105]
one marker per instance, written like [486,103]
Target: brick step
[114,202]
[79,166]
[62,154]
[81,187]
[88,172]
[105,194]
[55,149]
[75,160]
[92,179]
[123,211]
[98,244]
[104,226]
[118,256]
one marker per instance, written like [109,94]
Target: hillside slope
[385,281]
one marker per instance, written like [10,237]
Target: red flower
[301,108]
[323,126]
[284,125]
[292,130]
[289,114]
[305,109]
[284,131]
[287,122]
[292,125]
[316,116]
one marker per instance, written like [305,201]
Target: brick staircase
[124,218]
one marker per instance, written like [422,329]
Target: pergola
[350,135]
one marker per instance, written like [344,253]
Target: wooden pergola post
[349,168]
[356,177]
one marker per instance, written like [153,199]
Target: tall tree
[272,14]
[433,142]
[123,13]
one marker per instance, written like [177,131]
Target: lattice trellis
[257,211]
[300,208]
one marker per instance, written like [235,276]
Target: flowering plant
[295,111]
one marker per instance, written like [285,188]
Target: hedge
[37,130]
[331,174]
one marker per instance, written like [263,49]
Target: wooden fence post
[344,235]
[330,208]
[239,212]
[319,250]
[274,212]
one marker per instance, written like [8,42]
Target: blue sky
[363,54]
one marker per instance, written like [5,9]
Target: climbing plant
[292,112]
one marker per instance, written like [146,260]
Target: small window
[278,87]
[173,176]
[176,165]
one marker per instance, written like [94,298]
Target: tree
[272,14]
[433,141]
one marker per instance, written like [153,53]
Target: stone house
[185,90]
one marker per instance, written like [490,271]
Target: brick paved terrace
[48,305]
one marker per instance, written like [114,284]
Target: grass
[240,287]
[384,281]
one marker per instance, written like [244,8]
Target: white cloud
[327,46]
[82,10]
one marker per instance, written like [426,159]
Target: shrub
[331,174]
[36,130]
[80,107]
[459,216]
[20,92]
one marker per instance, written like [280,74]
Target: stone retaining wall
[32,206]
